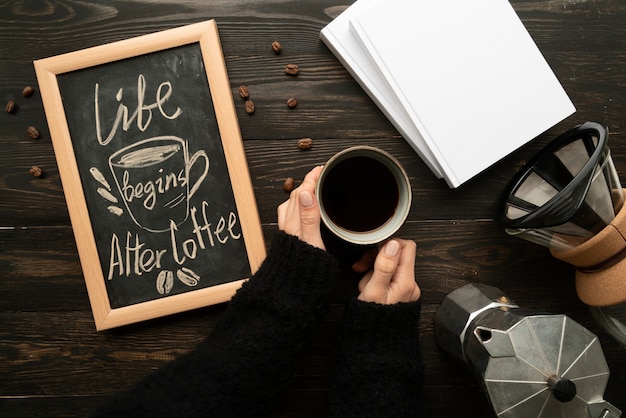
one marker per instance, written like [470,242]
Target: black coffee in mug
[364,195]
[360,194]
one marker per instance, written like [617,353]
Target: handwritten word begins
[133,257]
[143,112]
[149,189]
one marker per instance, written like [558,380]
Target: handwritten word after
[142,115]
[129,256]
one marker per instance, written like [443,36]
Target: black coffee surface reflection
[360,194]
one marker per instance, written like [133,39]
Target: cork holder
[600,264]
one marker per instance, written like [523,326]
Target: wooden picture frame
[149,99]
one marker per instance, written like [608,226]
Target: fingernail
[306,199]
[392,248]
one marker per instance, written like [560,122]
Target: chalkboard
[154,172]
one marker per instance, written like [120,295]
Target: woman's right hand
[392,278]
[300,214]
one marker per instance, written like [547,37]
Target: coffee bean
[32,132]
[165,281]
[35,171]
[249,106]
[10,106]
[288,184]
[292,102]
[305,143]
[243,92]
[187,276]
[276,47]
[28,91]
[292,69]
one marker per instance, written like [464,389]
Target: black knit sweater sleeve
[379,372]
[252,351]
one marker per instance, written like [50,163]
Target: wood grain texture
[53,363]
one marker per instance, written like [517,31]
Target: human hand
[300,214]
[392,278]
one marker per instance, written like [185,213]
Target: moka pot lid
[558,369]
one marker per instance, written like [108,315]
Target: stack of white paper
[462,81]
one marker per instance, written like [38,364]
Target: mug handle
[192,161]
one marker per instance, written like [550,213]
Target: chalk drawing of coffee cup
[153,178]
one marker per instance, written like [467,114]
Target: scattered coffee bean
[276,47]
[35,171]
[305,143]
[32,132]
[249,106]
[243,92]
[10,106]
[28,91]
[292,69]
[292,102]
[288,184]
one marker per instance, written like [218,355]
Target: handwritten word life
[142,114]
[129,256]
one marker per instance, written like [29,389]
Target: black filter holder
[570,199]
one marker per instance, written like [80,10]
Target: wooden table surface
[54,363]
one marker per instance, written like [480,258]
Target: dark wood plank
[40,268]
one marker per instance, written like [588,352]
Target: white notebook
[465,74]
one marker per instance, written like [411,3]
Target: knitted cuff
[392,330]
[293,273]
